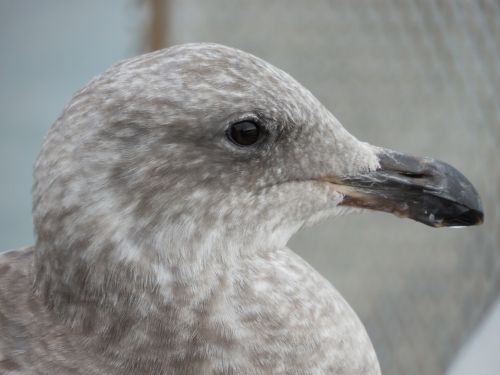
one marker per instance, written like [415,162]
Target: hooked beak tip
[426,190]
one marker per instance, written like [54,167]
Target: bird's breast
[279,316]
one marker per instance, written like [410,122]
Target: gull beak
[423,189]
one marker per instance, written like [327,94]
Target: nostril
[413,174]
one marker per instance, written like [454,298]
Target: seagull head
[202,146]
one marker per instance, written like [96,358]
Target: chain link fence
[421,76]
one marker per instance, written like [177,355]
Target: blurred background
[421,76]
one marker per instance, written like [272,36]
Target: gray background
[417,76]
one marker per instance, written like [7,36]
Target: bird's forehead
[213,78]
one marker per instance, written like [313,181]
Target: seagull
[164,196]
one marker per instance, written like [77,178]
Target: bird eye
[244,133]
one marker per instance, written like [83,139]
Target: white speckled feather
[161,245]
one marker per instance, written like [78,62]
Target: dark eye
[244,133]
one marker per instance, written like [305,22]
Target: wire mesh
[420,76]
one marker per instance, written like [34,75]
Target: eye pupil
[244,133]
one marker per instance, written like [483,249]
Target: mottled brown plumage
[161,243]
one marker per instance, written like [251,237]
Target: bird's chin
[339,210]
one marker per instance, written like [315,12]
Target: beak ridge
[426,190]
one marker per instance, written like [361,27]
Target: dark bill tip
[446,213]
[423,189]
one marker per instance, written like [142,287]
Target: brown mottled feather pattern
[161,245]
[34,342]
[31,340]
